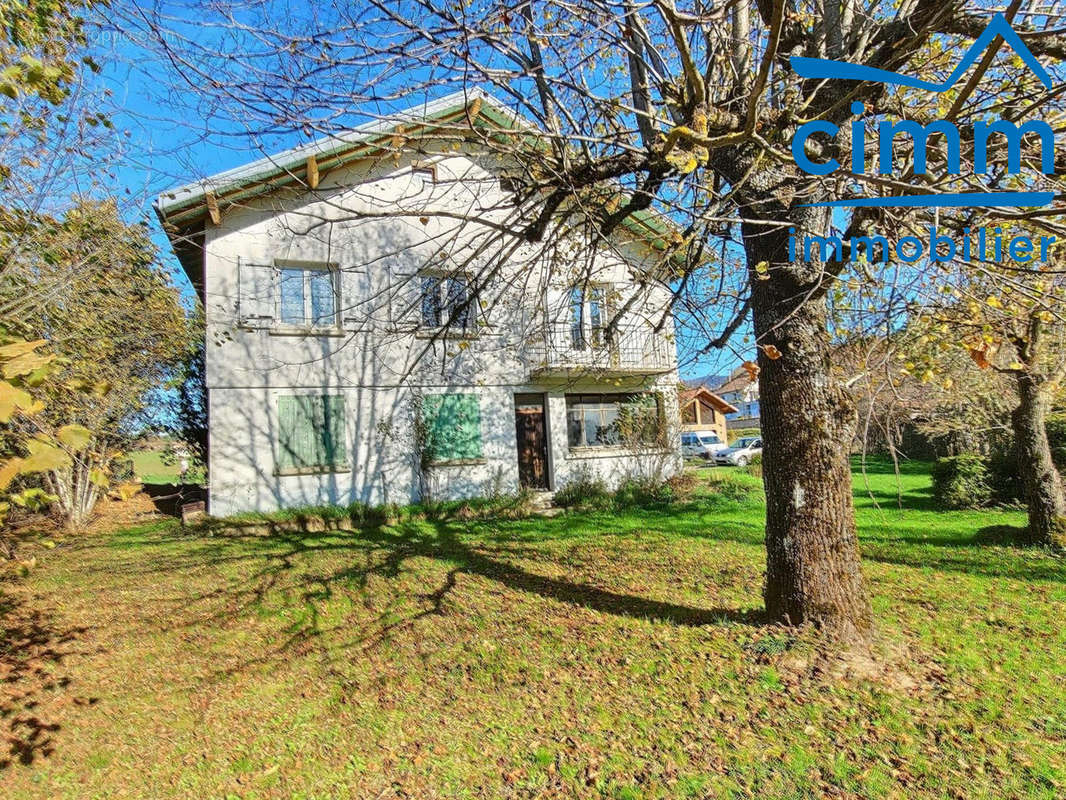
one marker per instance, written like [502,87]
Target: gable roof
[184,210]
[738,382]
[703,393]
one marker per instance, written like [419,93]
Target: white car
[739,455]
[701,443]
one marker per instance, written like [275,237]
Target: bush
[755,465]
[637,492]
[584,490]
[1056,434]
[1003,478]
[961,482]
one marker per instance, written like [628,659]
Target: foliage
[961,482]
[189,424]
[754,466]
[584,490]
[117,330]
[1056,434]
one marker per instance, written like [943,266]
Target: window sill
[282,473]
[459,462]
[445,333]
[612,452]
[298,331]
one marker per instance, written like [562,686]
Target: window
[452,425]
[308,296]
[588,316]
[611,420]
[446,301]
[311,433]
[688,414]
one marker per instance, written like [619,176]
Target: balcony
[563,350]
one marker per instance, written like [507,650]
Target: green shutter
[453,426]
[310,431]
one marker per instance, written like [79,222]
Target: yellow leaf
[26,363]
[12,397]
[8,470]
[993,301]
[76,437]
[98,477]
[1016,365]
[43,457]
[16,349]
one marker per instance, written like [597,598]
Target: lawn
[590,655]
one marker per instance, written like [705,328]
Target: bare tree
[681,112]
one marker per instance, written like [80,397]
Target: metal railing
[566,346]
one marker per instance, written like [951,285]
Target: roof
[183,209]
[738,382]
[702,392]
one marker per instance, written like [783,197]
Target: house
[703,410]
[743,393]
[378,333]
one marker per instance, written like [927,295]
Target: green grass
[149,467]
[592,655]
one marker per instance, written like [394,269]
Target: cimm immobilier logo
[982,244]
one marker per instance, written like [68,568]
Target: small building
[703,410]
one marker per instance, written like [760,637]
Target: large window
[452,424]
[588,316]
[311,433]
[308,296]
[613,420]
[446,300]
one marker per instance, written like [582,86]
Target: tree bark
[1042,482]
[813,574]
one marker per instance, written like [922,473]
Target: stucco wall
[376,357]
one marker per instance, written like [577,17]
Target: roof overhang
[184,211]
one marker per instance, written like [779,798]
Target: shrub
[755,465]
[961,482]
[584,490]
[1003,478]
[1056,434]
[637,492]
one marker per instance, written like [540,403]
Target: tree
[1016,329]
[687,112]
[117,330]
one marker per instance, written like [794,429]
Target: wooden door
[531,434]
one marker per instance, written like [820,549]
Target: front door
[531,433]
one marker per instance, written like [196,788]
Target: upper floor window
[588,316]
[308,295]
[446,301]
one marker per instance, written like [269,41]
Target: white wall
[377,358]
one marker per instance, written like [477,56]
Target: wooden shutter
[453,426]
[311,431]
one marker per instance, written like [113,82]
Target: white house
[377,333]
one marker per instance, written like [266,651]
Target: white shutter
[256,304]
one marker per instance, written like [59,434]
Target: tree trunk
[813,574]
[1042,482]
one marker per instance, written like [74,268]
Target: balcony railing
[566,349]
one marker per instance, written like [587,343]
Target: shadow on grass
[279,562]
[30,648]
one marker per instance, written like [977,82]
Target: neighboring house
[703,410]
[362,348]
[743,393]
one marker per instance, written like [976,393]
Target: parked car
[739,455]
[701,443]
